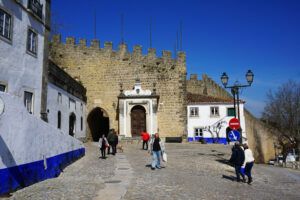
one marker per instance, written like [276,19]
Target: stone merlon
[122,50]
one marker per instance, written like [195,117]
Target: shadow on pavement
[232,178]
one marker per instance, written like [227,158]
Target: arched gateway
[137,111]
[98,122]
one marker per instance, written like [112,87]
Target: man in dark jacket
[114,142]
[110,139]
[237,159]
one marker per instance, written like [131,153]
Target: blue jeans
[156,156]
[238,172]
[248,169]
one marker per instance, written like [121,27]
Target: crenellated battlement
[122,52]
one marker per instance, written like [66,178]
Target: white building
[23,26]
[137,111]
[66,103]
[208,118]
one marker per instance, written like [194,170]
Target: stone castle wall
[259,137]
[101,70]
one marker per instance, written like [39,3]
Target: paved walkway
[193,171]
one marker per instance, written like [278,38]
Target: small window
[28,101]
[32,41]
[2,88]
[194,111]
[81,123]
[214,111]
[72,104]
[36,7]
[5,24]
[59,120]
[59,98]
[81,107]
[198,132]
[230,112]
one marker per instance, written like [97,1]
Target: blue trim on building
[20,176]
[208,140]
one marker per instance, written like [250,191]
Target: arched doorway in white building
[72,123]
[138,120]
[98,122]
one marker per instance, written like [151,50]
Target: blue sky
[218,35]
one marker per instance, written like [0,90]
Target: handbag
[164,157]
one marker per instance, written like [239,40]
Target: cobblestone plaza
[193,171]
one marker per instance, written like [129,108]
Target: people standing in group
[110,139]
[237,159]
[114,143]
[145,137]
[157,147]
[113,140]
[249,162]
[103,143]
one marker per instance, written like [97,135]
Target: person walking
[249,162]
[110,139]
[157,147]
[114,142]
[145,137]
[237,159]
[103,143]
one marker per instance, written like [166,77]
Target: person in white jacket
[249,161]
[157,147]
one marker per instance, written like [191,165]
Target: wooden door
[138,120]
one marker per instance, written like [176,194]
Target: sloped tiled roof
[199,98]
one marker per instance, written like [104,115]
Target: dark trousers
[102,152]
[145,143]
[238,172]
[114,148]
[108,148]
[248,169]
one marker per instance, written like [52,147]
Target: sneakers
[158,167]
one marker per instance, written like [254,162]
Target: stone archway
[138,120]
[72,124]
[98,122]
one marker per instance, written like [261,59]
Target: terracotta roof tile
[199,98]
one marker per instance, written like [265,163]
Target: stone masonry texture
[102,70]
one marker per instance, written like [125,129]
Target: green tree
[282,111]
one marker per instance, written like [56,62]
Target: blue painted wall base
[208,140]
[20,176]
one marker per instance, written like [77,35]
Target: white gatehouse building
[208,118]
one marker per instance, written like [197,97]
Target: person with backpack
[103,143]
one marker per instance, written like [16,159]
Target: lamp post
[235,90]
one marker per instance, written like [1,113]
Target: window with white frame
[28,101]
[32,41]
[198,132]
[214,111]
[5,24]
[194,111]
[2,88]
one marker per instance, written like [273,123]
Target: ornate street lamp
[235,89]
